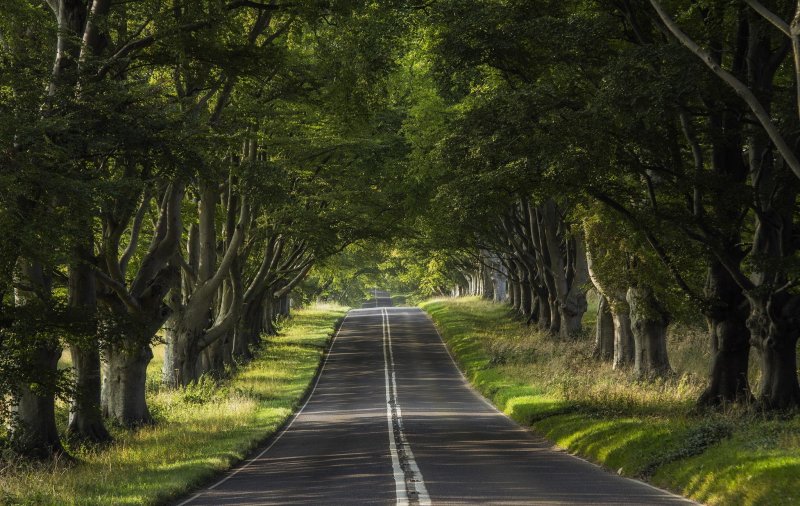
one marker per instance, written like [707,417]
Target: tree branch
[118,288]
[206,291]
[770,16]
[738,86]
[135,230]
[297,279]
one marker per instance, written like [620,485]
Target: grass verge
[201,430]
[642,430]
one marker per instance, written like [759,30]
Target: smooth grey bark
[33,431]
[604,328]
[624,346]
[568,269]
[85,416]
[773,320]
[730,340]
[513,295]
[604,331]
[525,301]
[487,282]
[192,329]
[139,309]
[544,218]
[649,325]
[248,331]
[124,384]
[574,305]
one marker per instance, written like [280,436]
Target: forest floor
[645,430]
[199,431]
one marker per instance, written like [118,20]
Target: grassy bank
[642,430]
[200,431]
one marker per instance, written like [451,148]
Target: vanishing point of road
[391,420]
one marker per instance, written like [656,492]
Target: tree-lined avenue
[338,449]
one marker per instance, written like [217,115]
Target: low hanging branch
[738,86]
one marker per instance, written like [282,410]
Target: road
[391,420]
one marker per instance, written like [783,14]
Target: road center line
[409,485]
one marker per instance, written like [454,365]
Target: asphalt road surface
[392,421]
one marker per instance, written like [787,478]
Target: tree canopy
[183,171]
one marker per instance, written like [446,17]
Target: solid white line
[418,483]
[285,428]
[401,497]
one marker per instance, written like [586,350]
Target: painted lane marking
[399,476]
[285,428]
[409,485]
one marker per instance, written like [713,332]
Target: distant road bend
[391,420]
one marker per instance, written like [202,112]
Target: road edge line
[284,429]
[530,430]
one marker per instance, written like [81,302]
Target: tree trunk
[34,433]
[624,348]
[180,357]
[543,311]
[487,280]
[124,383]
[85,417]
[604,331]
[775,337]
[778,388]
[248,330]
[555,316]
[284,306]
[525,293]
[573,303]
[212,359]
[730,340]
[268,319]
[649,326]
[513,295]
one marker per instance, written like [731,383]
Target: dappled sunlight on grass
[196,436]
[640,429]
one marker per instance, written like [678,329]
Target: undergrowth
[643,429]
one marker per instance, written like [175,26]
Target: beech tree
[156,119]
[628,128]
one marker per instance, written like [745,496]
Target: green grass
[201,430]
[643,430]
